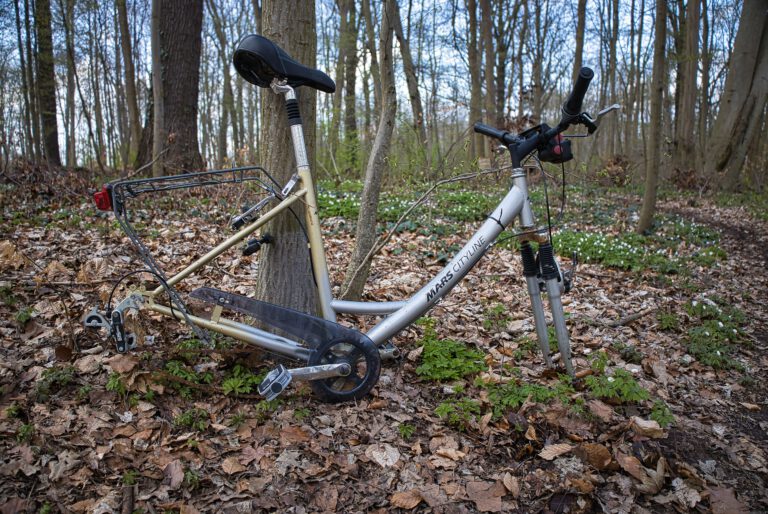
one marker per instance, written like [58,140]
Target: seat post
[294,121]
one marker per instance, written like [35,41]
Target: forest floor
[669,333]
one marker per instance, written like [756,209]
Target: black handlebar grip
[482,128]
[572,106]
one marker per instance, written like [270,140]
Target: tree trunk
[228,114]
[706,64]
[285,275]
[653,153]
[46,82]
[365,234]
[685,123]
[370,41]
[158,115]
[411,80]
[744,97]
[134,118]
[486,23]
[581,17]
[336,109]
[25,89]
[177,66]
[34,100]
[351,141]
[475,94]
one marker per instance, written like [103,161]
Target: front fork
[542,273]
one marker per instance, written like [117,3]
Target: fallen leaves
[553,451]
[385,455]
[406,499]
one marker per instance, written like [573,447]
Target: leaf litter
[82,446]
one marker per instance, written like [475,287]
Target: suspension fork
[546,275]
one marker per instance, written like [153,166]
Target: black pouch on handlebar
[558,150]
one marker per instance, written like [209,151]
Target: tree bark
[486,24]
[46,82]
[370,41]
[685,123]
[744,97]
[581,21]
[158,115]
[351,141]
[365,234]
[176,65]
[475,94]
[334,137]
[411,80]
[653,152]
[34,100]
[285,275]
[134,118]
[25,89]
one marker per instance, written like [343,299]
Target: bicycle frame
[398,315]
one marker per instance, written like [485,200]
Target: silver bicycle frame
[399,315]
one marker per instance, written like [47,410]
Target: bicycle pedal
[275,383]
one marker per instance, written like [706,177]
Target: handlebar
[521,145]
[572,106]
[502,135]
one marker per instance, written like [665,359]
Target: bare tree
[653,152]
[134,118]
[285,276]
[46,82]
[744,97]
[365,234]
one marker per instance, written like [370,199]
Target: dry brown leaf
[632,466]
[601,410]
[174,474]
[10,258]
[384,455]
[231,465]
[486,495]
[723,501]
[122,363]
[512,484]
[646,427]
[594,454]
[655,478]
[293,434]
[554,450]
[450,453]
[406,499]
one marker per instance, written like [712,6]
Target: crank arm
[279,378]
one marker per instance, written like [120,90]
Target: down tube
[459,266]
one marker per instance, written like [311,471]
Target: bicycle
[341,363]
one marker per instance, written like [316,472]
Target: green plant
[191,479]
[406,430]
[195,419]
[54,379]
[116,385]
[621,387]
[241,381]
[83,392]
[668,320]
[14,411]
[25,433]
[599,362]
[510,396]
[446,359]
[496,318]
[237,420]
[719,327]
[458,412]
[129,477]
[47,508]
[6,296]
[265,408]
[629,353]
[23,315]
[181,370]
[301,413]
[661,414]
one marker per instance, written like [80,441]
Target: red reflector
[103,199]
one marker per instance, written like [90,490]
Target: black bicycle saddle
[259,60]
